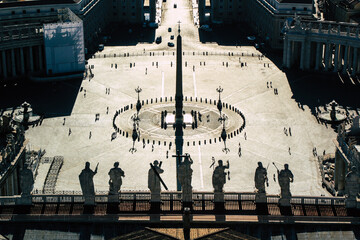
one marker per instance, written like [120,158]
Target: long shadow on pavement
[318,89]
[48,99]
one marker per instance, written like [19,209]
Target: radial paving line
[195,91]
[201,172]
[162,84]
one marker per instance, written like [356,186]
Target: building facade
[328,46]
[267,17]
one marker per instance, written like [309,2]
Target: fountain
[334,116]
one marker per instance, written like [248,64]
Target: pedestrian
[107,110]
[105,90]
[64,122]
[167,154]
[239,152]
[145,71]
[289,151]
[69,131]
[84,93]
[290,131]
[109,91]
[270,84]
[274,177]
[89,134]
[267,84]
[245,135]
[152,148]
[324,153]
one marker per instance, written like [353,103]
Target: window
[114,6]
[124,14]
[133,14]
[115,14]
[133,7]
[52,9]
[230,6]
[294,8]
[13,12]
[38,10]
[305,9]
[221,7]
[24,11]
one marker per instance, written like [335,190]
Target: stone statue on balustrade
[185,177]
[86,181]
[154,180]
[261,178]
[219,176]
[352,187]
[26,181]
[285,177]
[115,181]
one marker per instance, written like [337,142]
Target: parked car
[206,28]
[170,44]
[153,25]
[158,40]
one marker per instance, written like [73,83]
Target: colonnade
[309,48]
[20,61]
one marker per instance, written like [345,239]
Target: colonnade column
[4,63]
[355,62]
[288,54]
[327,56]
[285,52]
[13,63]
[40,58]
[318,57]
[346,59]
[31,59]
[302,56]
[22,62]
[336,58]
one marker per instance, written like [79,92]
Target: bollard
[165,99]
[232,108]
[187,143]
[148,141]
[204,142]
[123,133]
[210,101]
[214,102]
[153,142]
[214,140]
[205,100]
[193,143]
[151,101]
[210,140]
[131,106]
[185,98]
[127,134]
[147,101]
[219,139]
[114,54]
[170,99]
[127,54]
[201,99]
[142,102]
[155,100]
[231,134]
[164,143]
[226,105]
[196,99]
[190,99]
[199,143]
[160,99]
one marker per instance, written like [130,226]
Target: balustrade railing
[170,201]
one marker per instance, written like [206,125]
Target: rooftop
[18,3]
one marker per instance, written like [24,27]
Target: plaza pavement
[245,88]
